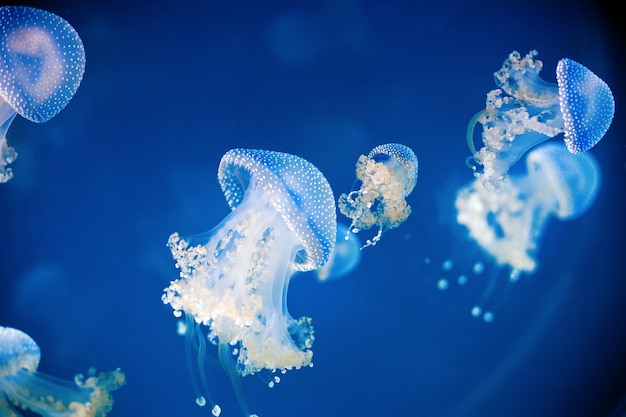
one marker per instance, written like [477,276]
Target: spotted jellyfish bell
[42,61]
[526,111]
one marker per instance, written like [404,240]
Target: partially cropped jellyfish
[387,175]
[23,388]
[42,61]
[234,278]
[508,224]
[503,230]
[526,111]
[344,258]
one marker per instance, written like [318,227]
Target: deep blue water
[170,87]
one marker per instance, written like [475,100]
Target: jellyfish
[22,387]
[234,278]
[508,224]
[526,111]
[344,258]
[387,175]
[42,61]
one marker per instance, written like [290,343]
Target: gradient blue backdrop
[170,86]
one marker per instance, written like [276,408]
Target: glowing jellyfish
[508,224]
[42,61]
[22,387]
[234,278]
[387,175]
[527,110]
[344,258]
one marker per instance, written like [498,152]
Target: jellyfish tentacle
[201,398]
[195,363]
[230,367]
[471,126]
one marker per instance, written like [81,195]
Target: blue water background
[171,86]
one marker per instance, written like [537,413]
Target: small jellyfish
[526,111]
[508,224]
[344,258]
[234,278]
[22,387]
[42,61]
[387,175]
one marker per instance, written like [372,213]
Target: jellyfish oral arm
[510,128]
[236,284]
[519,115]
[506,224]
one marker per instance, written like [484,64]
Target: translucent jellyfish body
[42,61]
[22,387]
[508,224]
[234,278]
[526,111]
[344,258]
[388,175]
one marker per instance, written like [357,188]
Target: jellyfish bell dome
[42,61]
[401,160]
[294,188]
[587,105]
[572,181]
[17,351]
